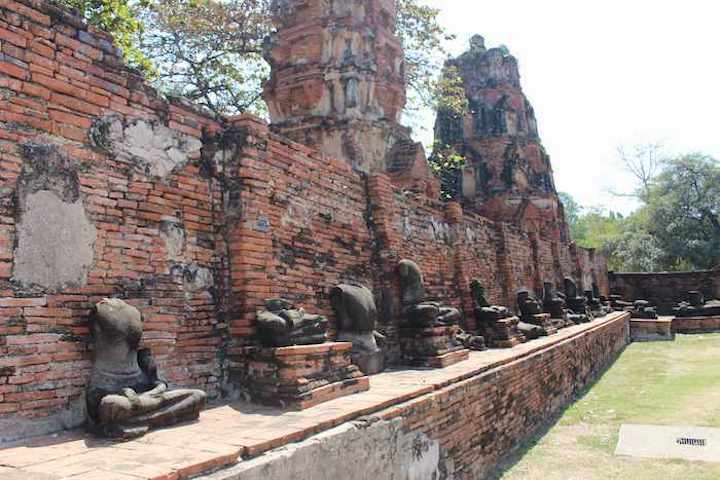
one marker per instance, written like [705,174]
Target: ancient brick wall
[83,219]
[520,263]
[301,228]
[548,268]
[665,289]
[478,259]
[109,190]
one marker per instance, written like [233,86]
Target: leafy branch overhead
[211,50]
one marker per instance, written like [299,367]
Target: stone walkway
[228,433]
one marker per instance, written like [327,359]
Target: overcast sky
[606,73]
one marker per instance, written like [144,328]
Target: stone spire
[338,79]
[507,175]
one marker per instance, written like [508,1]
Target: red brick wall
[665,289]
[478,259]
[303,227]
[520,261]
[258,216]
[55,79]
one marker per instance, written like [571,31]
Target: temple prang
[338,79]
[507,172]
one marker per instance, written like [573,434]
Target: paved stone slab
[669,442]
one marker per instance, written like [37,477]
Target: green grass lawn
[673,383]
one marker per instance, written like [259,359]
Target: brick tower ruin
[338,80]
[507,174]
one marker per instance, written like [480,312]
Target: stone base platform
[303,376]
[502,333]
[709,324]
[434,347]
[652,330]
[542,320]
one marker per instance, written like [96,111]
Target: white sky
[605,73]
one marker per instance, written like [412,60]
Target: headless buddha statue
[125,397]
[282,324]
[356,312]
[483,310]
[418,310]
[553,303]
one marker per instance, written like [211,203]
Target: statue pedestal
[561,322]
[433,347]
[502,333]
[652,330]
[541,320]
[303,376]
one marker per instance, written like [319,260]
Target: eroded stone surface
[55,242]
[152,146]
[385,450]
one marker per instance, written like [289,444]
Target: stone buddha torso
[484,311]
[125,397]
[418,310]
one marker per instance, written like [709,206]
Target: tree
[119,18]
[572,208]
[644,162]
[211,50]
[423,39]
[684,211]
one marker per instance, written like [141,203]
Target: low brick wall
[665,289]
[464,430]
[696,325]
[481,421]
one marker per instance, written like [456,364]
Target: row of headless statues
[126,397]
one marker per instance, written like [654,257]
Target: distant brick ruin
[507,175]
[108,189]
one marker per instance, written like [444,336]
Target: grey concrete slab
[669,442]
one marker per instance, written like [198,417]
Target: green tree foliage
[684,211]
[447,164]
[676,228]
[119,18]
[211,50]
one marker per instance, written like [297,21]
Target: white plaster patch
[155,148]
[55,242]
[668,442]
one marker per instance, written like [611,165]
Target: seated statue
[576,303]
[484,312]
[528,304]
[643,310]
[553,303]
[696,306]
[618,304]
[354,306]
[496,324]
[594,303]
[533,323]
[418,310]
[282,324]
[471,341]
[599,303]
[125,397]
